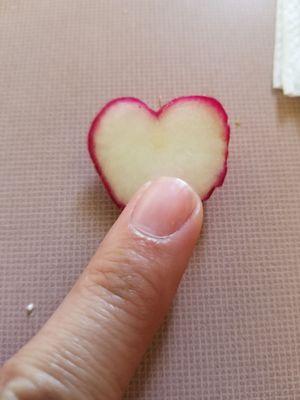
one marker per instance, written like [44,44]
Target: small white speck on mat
[29,309]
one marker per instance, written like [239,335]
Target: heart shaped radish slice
[131,144]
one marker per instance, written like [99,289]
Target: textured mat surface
[234,330]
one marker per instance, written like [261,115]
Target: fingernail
[164,207]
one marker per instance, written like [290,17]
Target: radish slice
[187,138]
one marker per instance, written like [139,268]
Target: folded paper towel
[286,73]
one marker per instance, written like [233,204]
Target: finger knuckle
[132,276]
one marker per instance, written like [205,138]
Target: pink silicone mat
[234,330]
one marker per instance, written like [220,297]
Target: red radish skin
[210,101]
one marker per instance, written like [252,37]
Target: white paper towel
[286,73]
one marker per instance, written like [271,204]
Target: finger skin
[91,346]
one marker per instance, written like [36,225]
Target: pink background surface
[234,330]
